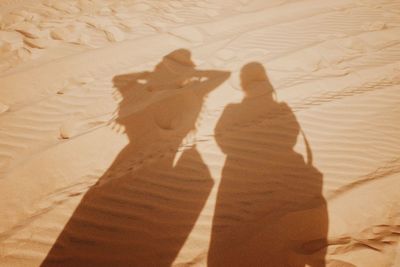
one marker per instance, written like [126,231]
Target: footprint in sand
[29,30]
[10,41]
[3,108]
[68,129]
[114,34]
[38,43]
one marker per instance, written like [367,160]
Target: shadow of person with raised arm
[142,210]
[269,209]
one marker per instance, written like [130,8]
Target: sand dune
[199,133]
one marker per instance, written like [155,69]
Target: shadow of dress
[144,207]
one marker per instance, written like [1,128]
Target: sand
[200,133]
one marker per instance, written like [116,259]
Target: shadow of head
[169,71]
[254,80]
[135,90]
[181,56]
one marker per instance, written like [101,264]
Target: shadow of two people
[144,217]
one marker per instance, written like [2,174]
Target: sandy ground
[200,133]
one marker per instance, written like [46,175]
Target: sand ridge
[199,133]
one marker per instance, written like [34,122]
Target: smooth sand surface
[200,133]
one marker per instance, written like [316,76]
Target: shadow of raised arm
[206,80]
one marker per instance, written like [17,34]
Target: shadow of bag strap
[308,149]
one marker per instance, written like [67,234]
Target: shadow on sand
[144,216]
[269,210]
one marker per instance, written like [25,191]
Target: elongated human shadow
[269,210]
[142,210]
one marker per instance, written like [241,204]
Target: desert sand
[200,133]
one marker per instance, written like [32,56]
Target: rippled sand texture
[200,133]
